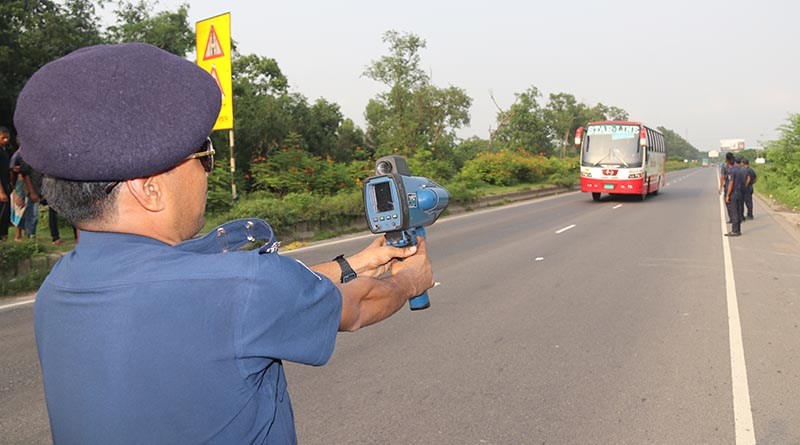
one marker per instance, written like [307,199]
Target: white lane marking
[565,229]
[436,283]
[539,258]
[20,303]
[742,412]
[616,206]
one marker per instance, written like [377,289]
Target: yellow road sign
[213,37]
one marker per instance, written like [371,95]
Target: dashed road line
[565,229]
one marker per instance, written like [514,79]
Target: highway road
[559,320]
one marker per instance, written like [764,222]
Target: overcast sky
[708,70]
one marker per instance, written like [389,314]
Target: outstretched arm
[367,300]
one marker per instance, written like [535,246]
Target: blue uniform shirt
[142,342]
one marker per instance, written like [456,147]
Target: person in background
[741,186]
[748,191]
[32,180]
[724,169]
[735,181]
[5,183]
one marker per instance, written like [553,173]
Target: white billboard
[731,144]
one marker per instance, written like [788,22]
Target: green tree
[678,147]
[413,114]
[168,30]
[523,125]
[350,143]
[34,33]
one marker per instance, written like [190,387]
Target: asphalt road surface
[560,320]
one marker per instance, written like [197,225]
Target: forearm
[366,301]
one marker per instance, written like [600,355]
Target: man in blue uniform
[146,335]
[733,194]
[724,170]
[742,186]
[748,191]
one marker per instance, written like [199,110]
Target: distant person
[723,180]
[52,222]
[748,191]
[742,186]
[735,180]
[5,183]
[32,180]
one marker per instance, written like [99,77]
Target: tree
[168,30]
[524,125]
[34,33]
[413,114]
[677,147]
[563,114]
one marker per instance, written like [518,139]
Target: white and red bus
[621,158]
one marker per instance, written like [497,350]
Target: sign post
[213,37]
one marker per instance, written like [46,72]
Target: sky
[708,70]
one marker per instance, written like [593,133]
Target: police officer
[146,335]
[724,170]
[740,208]
[733,194]
[748,191]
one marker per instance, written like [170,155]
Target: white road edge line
[742,412]
[616,206]
[20,303]
[565,229]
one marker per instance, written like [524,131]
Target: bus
[621,158]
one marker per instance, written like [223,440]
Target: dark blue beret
[113,112]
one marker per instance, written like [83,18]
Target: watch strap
[347,271]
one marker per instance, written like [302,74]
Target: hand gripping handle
[409,238]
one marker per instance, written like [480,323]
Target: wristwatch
[347,272]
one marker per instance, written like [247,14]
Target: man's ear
[148,192]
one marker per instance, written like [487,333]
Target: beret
[115,112]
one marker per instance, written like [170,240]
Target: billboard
[731,144]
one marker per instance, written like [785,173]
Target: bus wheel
[596,196]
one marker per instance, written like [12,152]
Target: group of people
[736,184]
[21,194]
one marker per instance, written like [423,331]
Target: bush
[508,167]
[11,255]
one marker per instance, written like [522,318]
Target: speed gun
[400,206]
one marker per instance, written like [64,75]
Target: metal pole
[233,165]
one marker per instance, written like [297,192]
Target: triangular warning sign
[213,46]
[216,79]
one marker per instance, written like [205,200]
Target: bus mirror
[578,136]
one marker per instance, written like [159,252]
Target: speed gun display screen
[382,202]
[383,197]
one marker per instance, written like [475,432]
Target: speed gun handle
[404,238]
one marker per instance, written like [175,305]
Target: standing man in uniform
[723,181]
[742,187]
[146,334]
[735,179]
[748,191]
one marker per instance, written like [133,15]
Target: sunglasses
[205,154]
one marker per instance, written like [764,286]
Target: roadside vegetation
[779,178]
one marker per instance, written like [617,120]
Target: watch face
[348,276]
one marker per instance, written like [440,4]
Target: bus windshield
[616,145]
